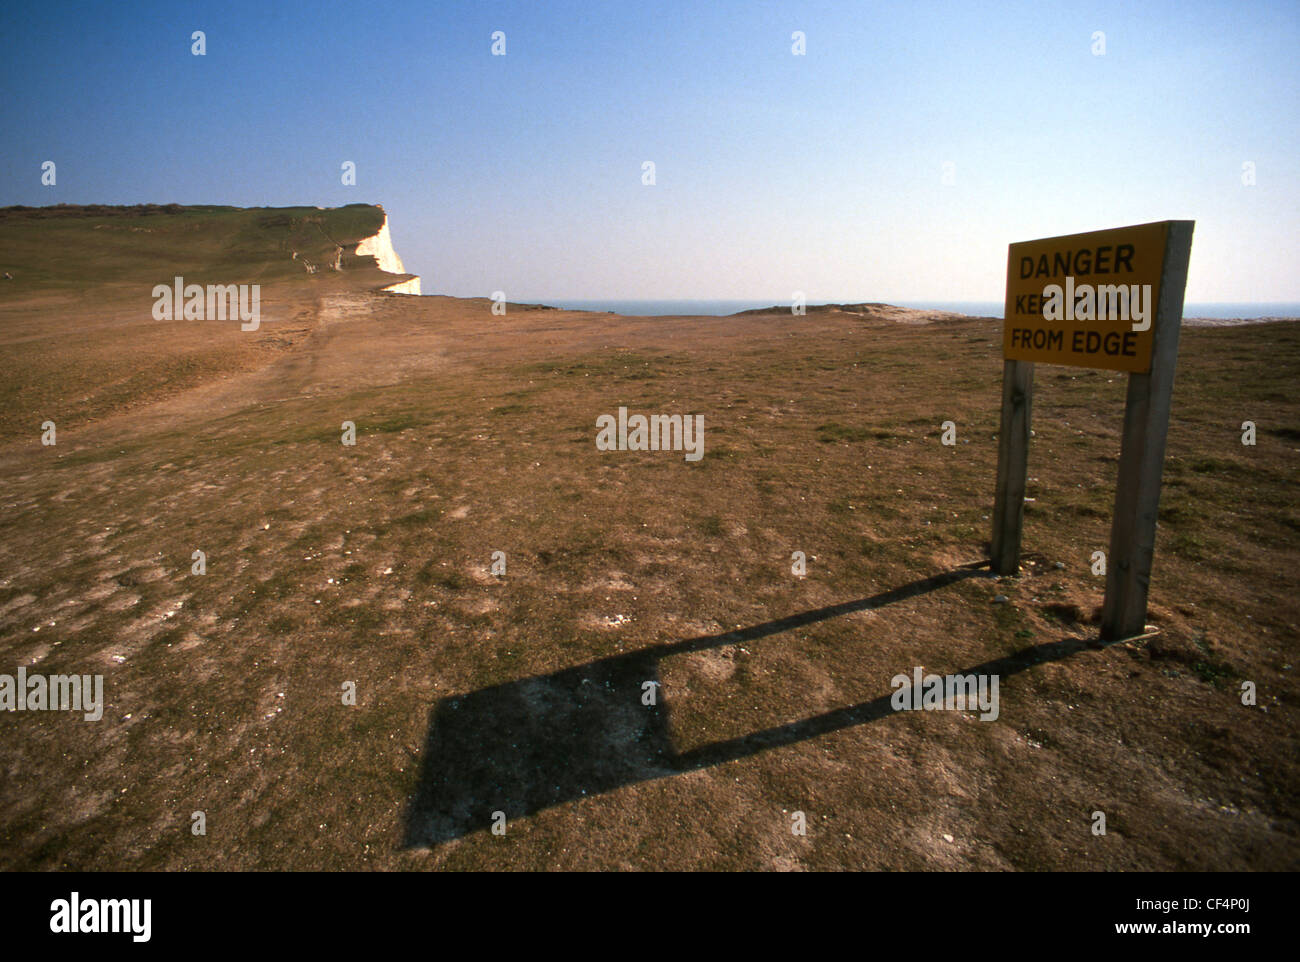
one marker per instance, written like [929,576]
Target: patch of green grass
[1216,673]
[451,579]
[1007,617]
[710,526]
[833,431]
[1189,545]
[1218,466]
[392,424]
[717,454]
[421,517]
[1081,509]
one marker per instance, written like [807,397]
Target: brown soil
[371,564]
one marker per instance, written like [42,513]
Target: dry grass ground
[476,693]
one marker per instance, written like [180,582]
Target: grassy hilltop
[77,332]
[329,564]
[76,248]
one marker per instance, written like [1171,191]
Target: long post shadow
[527,745]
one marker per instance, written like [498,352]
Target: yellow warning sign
[1086,300]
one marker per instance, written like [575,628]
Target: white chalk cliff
[380,247]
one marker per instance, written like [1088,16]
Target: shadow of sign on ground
[524,746]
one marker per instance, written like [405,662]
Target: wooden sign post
[1111,300]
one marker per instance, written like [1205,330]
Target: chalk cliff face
[380,247]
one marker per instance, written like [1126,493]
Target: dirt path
[329,346]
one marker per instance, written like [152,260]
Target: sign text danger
[1085,300]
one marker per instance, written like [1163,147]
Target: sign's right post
[1142,452]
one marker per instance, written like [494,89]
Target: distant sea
[976,308]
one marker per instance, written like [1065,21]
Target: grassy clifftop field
[371,565]
[80,248]
[77,331]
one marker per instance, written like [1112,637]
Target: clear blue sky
[775,173]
